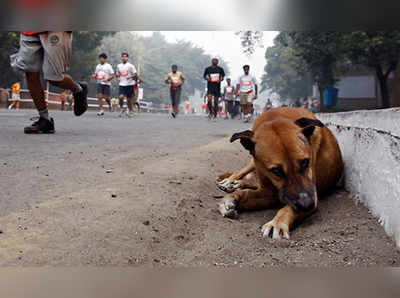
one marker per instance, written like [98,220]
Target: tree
[250,40]
[9,44]
[284,73]
[378,50]
[321,52]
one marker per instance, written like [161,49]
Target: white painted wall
[370,145]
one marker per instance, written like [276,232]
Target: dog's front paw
[277,229]
[227,208]
[228,185]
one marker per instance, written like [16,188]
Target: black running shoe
[80,100]
[41,125]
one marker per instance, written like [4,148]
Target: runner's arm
[206,76]
[167,80]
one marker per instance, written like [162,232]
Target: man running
[50,52]
[104,73]
[214,75]
[126,72]
[15,95]
[229,91]
[138,79]
[246,85]
[176,80]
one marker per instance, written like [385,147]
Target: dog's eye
[278,171]
[304,164]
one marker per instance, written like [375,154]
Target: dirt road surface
[141,192]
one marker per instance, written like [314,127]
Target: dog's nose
[304,203]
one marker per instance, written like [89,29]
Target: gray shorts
[49,52]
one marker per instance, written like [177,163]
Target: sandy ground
[97,201]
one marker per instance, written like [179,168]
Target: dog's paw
[228,185]
[227,208]
[277,229]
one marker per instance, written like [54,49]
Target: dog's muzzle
[302,202]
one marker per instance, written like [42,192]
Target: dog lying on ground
[295,158]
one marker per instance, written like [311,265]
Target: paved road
[141,192]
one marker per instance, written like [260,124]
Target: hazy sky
[226,45]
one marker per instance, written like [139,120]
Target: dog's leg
[283,222]
[247,199]
[232,182]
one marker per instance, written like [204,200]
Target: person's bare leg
[129,103]
[36,90]
[121,102]
[100,100]
[67,83]
[17,105]
[210,105]
[107,98]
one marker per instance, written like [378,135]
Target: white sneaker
[100,113]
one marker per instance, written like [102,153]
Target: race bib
[124,73]
[246,83]
[175,80]
[214,77]
[229,90]
[101,75]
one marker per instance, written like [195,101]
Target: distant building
[358,89]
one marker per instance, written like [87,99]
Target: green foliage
[9,44]
[284,73]
[250,40]
[328,55]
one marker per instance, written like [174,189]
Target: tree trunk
[383,87]
[396,88]
[322,107]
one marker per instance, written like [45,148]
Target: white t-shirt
[247,83]
[126,72]
[103,72]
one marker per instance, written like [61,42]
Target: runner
[176,80]
[15,95]
[63,97]
[214,75]
[138,79]
[125,73]
[246,85]
[104,73]
[69,100]
[50,52]
[229,91]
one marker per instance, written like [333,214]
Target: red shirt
[32,32]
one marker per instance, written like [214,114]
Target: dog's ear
[245,139]
[308,131]
[304,122]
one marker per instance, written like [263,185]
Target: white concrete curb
[372,160]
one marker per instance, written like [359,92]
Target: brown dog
[295,159]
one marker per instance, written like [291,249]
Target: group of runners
[244,92]
[49,52]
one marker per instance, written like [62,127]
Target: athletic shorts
[49,52]
[214,90]
[127,91]
[246,98]
[103,89]
[16,97]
